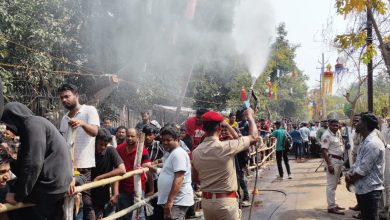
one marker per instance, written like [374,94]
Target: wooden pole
[137,178]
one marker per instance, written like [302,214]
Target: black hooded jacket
[43,164]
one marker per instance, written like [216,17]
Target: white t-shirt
[84,146]
[178,160]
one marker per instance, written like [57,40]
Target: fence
[266,151]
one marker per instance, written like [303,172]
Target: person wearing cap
[365,177]
[332,148]
[213,161]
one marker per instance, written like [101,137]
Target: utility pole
[322,90]
[370,96]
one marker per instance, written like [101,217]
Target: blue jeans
[369,204]
[298,147]
[126,200]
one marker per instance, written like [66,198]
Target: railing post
[69,207]
[137,178]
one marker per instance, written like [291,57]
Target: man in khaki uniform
[213,160]
[332,151]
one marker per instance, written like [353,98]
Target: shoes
[289,176]
[336,211]
[279,178]
[357,216]
[355,208]
[339,208]
[245,204]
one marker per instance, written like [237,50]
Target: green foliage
[291,86]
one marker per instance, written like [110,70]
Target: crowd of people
[206,157]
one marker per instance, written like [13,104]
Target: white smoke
[253,27]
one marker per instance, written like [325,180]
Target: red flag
[190,10]
[243,94]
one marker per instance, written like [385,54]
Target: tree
[282,71]
[376,13]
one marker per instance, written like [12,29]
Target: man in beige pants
[332,151]
[213,160]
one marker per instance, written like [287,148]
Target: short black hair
[120,128]
[170,130]
[183,128]
[150,129]
[5,157]
[210,126]
[278,123]
[201,111]
[68,87]
[145,112]
[370,119]
[232,114]
[104,135]
[333,120]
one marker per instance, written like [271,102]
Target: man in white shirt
[305,133]
[174,182]
[79,126]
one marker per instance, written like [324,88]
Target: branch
[382,46]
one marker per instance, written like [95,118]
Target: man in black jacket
[43,166]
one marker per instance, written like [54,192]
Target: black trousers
[88,210]
[279,155]
[47,207]
[369,204]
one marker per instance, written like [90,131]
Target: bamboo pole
[130,209]
[137,178]
[8,207]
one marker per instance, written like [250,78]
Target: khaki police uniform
[214,162]
[334,144]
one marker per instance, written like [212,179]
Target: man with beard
[120,135]
[366,176]
[194,127]
[43,165]
[127,151]
[79,127]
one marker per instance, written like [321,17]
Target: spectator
[43,165]
[264,128]
[305,133]
[79,126]
[127,151]
[145,120]
[194,128]
[120,135]
[174,183]
[108,164]
[107,124]
[186,139]
[297,142]
[232,120]
[366,175]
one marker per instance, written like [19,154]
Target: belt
[209,195]
[336,157]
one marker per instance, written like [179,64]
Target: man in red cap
[213,160]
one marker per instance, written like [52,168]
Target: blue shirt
[370,163]
[296,136]
[280,134]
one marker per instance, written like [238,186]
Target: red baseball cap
[212,117]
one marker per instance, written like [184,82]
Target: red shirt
[128,157]
[195,131]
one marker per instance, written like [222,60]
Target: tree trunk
[382,45]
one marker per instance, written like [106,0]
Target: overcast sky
[306,21]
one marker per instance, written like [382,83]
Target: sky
[306,21]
